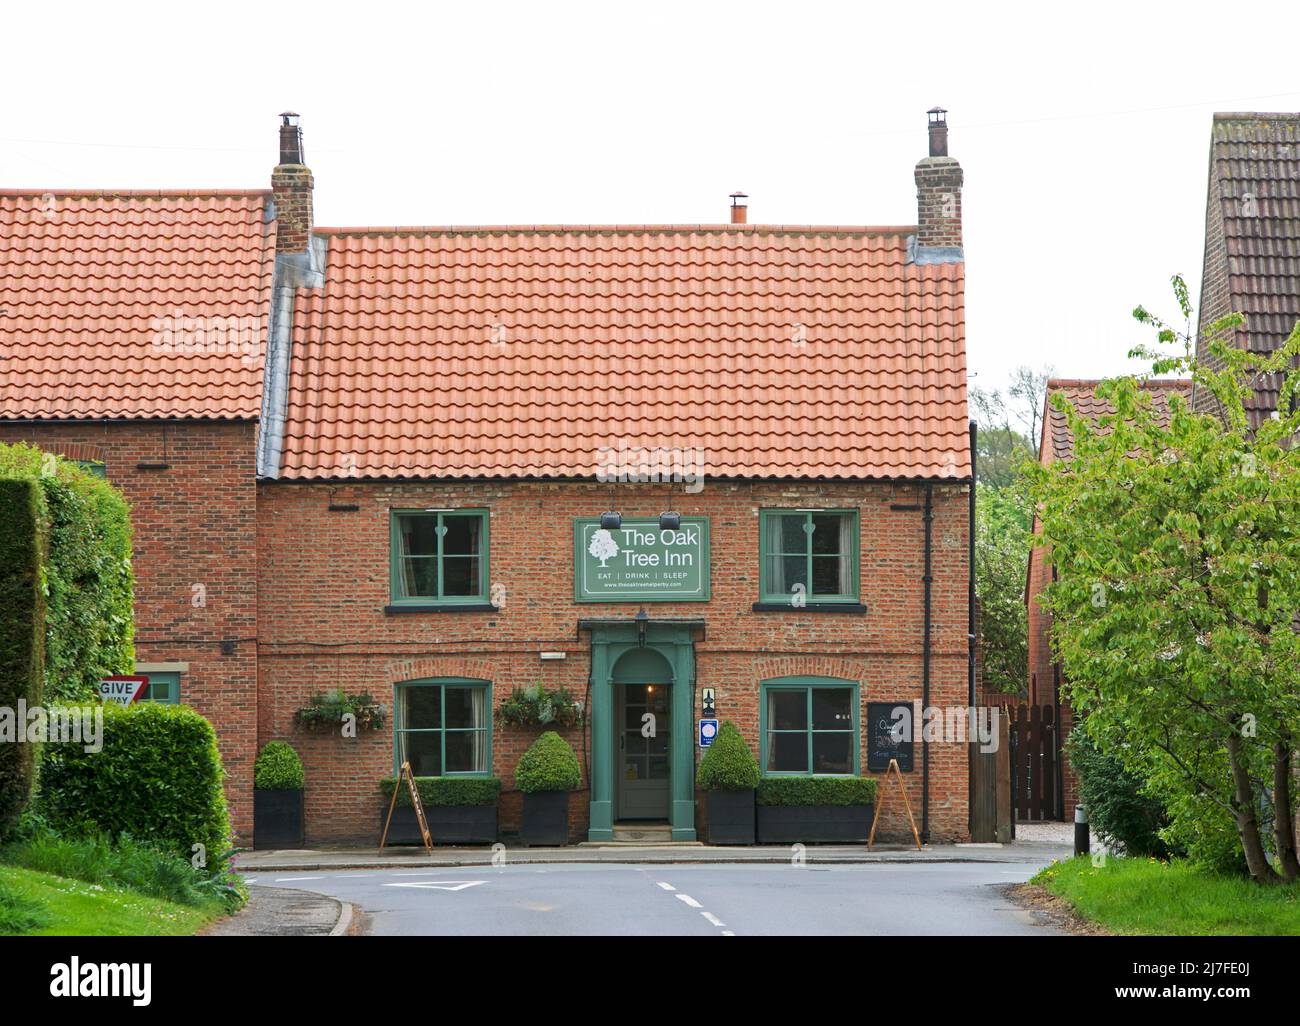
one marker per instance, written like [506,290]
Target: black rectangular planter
[449,824]
[731,817]
[814,824]
[546,818]
[277,819]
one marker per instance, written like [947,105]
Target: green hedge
[278,768]
[89,624]
[816,791]
[548,765]
[23,534]
[728,764]
[158,779]
[1124,818]
[445,791]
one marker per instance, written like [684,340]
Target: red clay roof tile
[807,352]
[130,304]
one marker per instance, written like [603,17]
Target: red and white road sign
[122,690]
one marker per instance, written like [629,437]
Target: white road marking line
[440,885]
[286,879]
[667,886]
[713,919]
[728,933]
[689,900]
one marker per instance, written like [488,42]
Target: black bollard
[1081,845]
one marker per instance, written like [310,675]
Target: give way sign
[122,690]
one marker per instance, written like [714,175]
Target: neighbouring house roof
[133,305]
[502,352]
[1255,186]
[1058,440]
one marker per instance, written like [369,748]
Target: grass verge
[41,904]
[1143,896]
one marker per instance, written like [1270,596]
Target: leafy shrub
[816,791]
[1127,821]
[23,538]
[89,624]
[278,768]
[143,868]
[325,712]
[548,765]
[534,706]
[157,778]
[728,764]
[445,791]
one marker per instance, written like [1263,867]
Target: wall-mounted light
[611,521]
[547,656]
[670,521]
[642,618]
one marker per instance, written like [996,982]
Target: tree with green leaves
[1176,541]
[1002,532]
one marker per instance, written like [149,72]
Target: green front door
[645,716]
[638,670]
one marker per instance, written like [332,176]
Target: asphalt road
[681,900]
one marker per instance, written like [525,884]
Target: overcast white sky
[1084,134]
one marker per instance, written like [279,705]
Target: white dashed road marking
[667,886]
[689,900]
[440,885]
[286,879]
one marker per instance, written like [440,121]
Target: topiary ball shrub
[548,765]
[278,768]
[728,764]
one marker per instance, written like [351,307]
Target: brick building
[408,485]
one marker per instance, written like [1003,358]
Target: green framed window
[163,687]
[95,467]
[809,726]
[808,553]
[439,557]
[443,727]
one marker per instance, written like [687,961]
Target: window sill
[851,608]
[441,607]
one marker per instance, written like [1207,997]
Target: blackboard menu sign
[889,736]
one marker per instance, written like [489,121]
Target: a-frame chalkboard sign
[902,789]
[415,804]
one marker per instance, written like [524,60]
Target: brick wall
[938,202]
[194,555]
[323,585]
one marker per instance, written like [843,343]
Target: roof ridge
[617,228]
[1284,115]
[1093,382]
[134,193]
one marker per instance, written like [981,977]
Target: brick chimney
[739,208]
[938,189]
[291,184]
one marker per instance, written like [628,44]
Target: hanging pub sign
[639,562]
[889,736]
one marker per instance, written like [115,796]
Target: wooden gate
[991,816]
[1035,751]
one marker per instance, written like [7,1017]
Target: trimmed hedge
[278,768]
[157,778]
[89,624]
[445,791]
[548,765]
[23,539]
[728,764]
[816,791]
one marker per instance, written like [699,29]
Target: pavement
[285,912]
[1036,851]
[683,899]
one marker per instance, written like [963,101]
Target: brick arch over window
[465,666]
[77,451]
[839,667]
